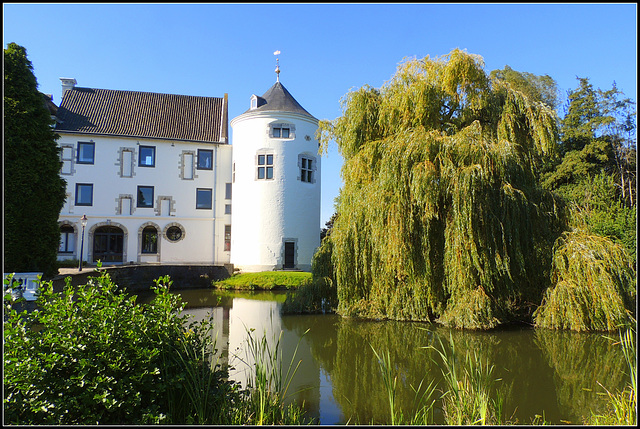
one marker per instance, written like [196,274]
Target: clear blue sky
[326,49]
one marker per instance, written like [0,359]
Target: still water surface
[540,371]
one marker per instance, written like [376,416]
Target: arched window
[67,239]
[150,240]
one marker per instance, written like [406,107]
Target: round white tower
[275,219]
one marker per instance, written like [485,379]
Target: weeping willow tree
[441,216]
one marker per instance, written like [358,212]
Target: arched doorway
[108,244]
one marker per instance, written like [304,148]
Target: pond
[540,372]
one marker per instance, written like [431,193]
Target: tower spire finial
[277,66]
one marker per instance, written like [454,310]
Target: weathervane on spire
[277,66]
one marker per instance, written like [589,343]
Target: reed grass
[623,405]
[469,396]
[268,385]
[422,413]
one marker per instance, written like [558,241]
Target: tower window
[282,131]
[265,167]
[306,170]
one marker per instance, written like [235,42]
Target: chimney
[67,84]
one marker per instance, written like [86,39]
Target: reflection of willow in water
[580,362]
[520,357]
[357,366]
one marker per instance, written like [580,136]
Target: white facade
[114,177]
[276,220]
[150,199]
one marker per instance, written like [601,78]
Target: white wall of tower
[269,212]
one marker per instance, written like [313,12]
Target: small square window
[227,209]
[86,152]
[84,194]
[265,166]
[147,156]
[203,198]
[205,159]
[145,196]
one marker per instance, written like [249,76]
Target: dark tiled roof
[143,114]
[278,99]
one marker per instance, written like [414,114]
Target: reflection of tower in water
[235,319]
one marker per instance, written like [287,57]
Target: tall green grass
[623,405]
[423,404]
[470,387]
[268,384]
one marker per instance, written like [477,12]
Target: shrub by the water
[91,355]
[594,286]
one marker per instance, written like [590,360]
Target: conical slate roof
[278,99]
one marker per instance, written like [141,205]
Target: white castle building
[154,174]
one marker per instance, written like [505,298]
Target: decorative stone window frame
[172,205]
[125,238]
[292,130]
[314,168]
[181,164]
[169,225]
[158,244]
[119,200]
[120,162]
[71,159]
[73,225]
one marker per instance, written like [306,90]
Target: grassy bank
[267,280]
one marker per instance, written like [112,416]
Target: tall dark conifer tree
[34,192]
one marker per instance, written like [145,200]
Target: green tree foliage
[591,290]
[539,88]
[441,215]
[34,192]
[596,170]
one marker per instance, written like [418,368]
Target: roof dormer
[257,102]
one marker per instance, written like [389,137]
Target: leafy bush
[594,286]
[91,355]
